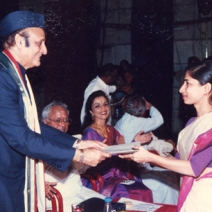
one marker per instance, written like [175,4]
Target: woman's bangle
[81,156]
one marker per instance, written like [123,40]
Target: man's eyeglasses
[60,121]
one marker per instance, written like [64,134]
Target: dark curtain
[8,7]
[72,36]
[152,55]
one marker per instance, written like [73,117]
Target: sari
[196,139]
[116,172]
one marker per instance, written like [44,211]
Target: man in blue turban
[23,141]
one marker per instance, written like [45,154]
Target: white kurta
[70,186]
[129,125]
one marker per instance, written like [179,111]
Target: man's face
[30,55]
[58,118]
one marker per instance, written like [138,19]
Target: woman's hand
[91,156]
[141,156]
[48,189]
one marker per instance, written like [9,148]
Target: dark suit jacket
[17,140]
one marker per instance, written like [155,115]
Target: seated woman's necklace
[104,130]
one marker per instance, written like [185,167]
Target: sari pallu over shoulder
[202,142]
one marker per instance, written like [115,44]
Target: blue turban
[20,20]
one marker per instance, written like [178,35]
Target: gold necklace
[104,129]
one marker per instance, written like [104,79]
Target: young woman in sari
[115,171]
[194,144]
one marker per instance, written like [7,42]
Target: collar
[23,72]
[101,82]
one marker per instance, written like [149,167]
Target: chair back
[57,202]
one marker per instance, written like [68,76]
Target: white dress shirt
[129,125]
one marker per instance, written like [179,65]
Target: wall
[115,43]
[72,33]
[141,32]
[95,32]
[192,37]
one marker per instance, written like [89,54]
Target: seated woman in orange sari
[119,176]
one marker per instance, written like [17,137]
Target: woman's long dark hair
[88,107]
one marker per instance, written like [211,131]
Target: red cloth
[167,208]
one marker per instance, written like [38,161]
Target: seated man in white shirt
[68,183]
[163,183]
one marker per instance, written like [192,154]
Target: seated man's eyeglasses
[60,121]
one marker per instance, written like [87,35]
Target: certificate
[122,148]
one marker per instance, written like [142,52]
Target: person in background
[125,78]
[134,120]
[194,146]
[56,115]
[105,82]
[114,171]
[126,72]
[68,183]
[163,183]
[23,141]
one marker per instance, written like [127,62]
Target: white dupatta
[190,133]
[195,192]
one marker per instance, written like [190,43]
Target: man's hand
[120,140]
[143,137]
[91,156]
[48,189]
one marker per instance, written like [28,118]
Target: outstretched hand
[91,156]
[141,156]
[94,156]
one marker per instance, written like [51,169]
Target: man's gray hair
[46,110]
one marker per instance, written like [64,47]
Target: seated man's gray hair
[46,110]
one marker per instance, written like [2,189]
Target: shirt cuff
[76,143]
